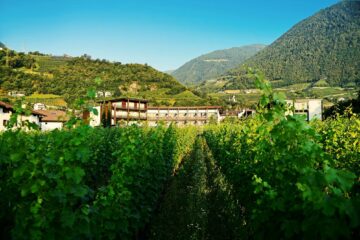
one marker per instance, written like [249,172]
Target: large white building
[5,114]
[136,111]
[182,116]
[310,108]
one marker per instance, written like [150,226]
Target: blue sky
[162,33]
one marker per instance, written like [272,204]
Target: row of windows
[132,105]
[184,115]
[188,122]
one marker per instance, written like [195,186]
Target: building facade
[6,111]
[182,116]
[127,111]
[310,108]
[53,119]
[120,111]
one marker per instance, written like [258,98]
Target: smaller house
[5,114]
[17,94]
[246,112]
[39,106]
[103,94]
[53,119]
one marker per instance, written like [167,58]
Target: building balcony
[122,117]
[133,109]
[189,118]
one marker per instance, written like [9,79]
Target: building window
[301,110]
[5,122]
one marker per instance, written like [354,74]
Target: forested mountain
[324,46]
[214,64]
[72,77]
[2,45]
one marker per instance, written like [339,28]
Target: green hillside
[71,77]
[214,64]
[325,46]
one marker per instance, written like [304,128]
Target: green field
[227,181]
[49,63]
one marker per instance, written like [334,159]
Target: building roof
[5,105]
[304,99]
[124,99]
[53,116]
[10,107]
[184,108]
[36,112]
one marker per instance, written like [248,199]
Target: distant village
[128,111]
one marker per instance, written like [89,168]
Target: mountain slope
[71,77]
[324,46]
[214,64]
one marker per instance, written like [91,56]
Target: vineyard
[270,176]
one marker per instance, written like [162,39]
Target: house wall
[315,109]
[32,118]
[39,106]
[311,108]
[6,116]
[95,119]
[48,126]
[3,116]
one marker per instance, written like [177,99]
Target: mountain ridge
[324,46]
[214,64]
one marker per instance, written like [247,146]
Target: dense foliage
[14,60]
[341,107]
[71,77]
[269,172]
[85,183]
[214,64]
[237,180]
[288,176]
[324,46]
[117,78]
